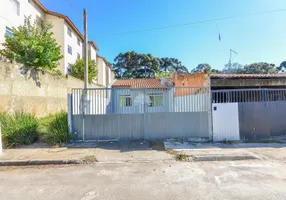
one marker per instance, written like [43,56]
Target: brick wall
[199,79]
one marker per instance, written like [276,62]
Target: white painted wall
[58,30]
[71,41]
[91,52]
[101,77]
[225,121]
[9,17]
[140,101]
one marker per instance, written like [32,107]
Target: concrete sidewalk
[222,152]
[105,152]
[42,156]
[138,152]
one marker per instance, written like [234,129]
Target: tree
[205,67]
[78,70]
[172,65]
[260,68]
[282,67]
[135,65]
[32,45]
[164,75]
[234,68]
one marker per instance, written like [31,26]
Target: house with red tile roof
[154,95]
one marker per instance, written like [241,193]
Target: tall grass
[18,128]
[57,130]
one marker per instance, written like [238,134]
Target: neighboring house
[105,73]
[139,96]
[65,32]
[154,95]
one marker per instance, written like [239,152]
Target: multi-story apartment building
[65,32]
[105,72]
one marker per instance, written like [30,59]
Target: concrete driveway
[253,179]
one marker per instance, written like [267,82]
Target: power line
[198,22]
[75,9]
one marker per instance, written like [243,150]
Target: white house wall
[58,30]
[10,18]
[72,42]
[140,100]
[91,52]
[101,71]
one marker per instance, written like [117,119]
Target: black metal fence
[248,95]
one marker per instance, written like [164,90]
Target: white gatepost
[70,110]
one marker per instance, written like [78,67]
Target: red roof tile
[138,83]
[282,75]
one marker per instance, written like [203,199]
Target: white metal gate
[225,121]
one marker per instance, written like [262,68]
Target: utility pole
[85,50]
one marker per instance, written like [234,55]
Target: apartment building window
[69,69]
[16,6]
[69,50]
[9,31]
[69,32]
[78,41]
[78,56]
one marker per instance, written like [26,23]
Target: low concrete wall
[22,92]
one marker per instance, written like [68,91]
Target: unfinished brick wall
[199,79]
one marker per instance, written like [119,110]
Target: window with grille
[156,100]
[78,41]
[69,50]
[125,101]
[69,69]
[69,32]
[78,56]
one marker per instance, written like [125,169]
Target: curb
[38,162]
[200,158]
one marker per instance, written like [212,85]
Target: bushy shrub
[57,129]
[18,128]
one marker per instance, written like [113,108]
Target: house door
[225,121]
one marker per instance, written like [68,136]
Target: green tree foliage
[164,75]
[205,67]
[282,67]
[254,68]
[32,45]
[78,70]
[260,68]
[135,65]
[234,68]
[171,65]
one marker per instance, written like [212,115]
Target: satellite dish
[165,82]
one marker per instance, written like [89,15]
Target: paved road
[155,180]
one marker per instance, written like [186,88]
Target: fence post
[70,112]
[210,113]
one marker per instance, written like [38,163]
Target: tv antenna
[230,56]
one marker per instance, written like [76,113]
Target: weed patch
[18,129]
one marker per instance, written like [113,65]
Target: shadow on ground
[122,146]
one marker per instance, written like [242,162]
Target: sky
[117,26]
